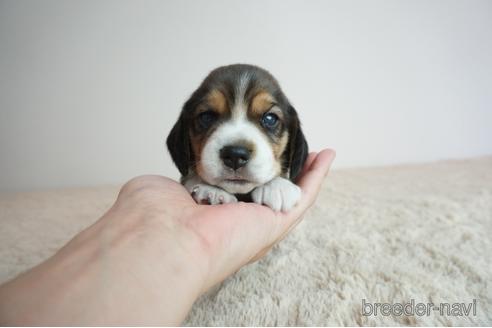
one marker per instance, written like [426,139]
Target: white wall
[90,89]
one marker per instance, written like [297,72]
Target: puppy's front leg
[278,194]
[204,193]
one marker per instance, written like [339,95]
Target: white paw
[206,194]
[278,194]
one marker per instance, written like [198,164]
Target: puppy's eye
[269,120]
[206,119]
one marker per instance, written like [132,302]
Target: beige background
[90,89]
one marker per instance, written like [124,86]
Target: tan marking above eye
[217,101]
[261,103]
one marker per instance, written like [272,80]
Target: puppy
[238,137]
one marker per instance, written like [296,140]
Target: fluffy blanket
[396,236]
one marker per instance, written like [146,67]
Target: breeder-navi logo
[419,309]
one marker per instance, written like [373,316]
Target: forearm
[108,276]
[148,259]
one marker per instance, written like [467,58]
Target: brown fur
[279,147]
[217,102]
[260,104]
[218,93]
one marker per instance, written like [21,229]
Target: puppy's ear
[298,148]
[178,144]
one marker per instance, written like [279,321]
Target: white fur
[261,168]
[241,88]
[278,194]
[203,192]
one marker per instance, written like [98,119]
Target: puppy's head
[238,131]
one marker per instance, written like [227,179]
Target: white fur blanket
[383,235]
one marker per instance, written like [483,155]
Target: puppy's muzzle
[234,156]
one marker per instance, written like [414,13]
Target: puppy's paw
[206,194]
[278,194]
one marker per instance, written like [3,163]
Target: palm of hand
[238,233]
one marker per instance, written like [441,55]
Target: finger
[262,253]
[311,181]
[310,184]
[309,160]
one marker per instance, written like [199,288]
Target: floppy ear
[178,144]
[298,149]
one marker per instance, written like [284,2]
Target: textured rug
[397,236]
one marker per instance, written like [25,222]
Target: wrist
[168,263]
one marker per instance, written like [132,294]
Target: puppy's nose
[235,156]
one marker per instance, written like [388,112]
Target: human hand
[230,235]
[151,255]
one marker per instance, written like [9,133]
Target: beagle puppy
[239,138]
